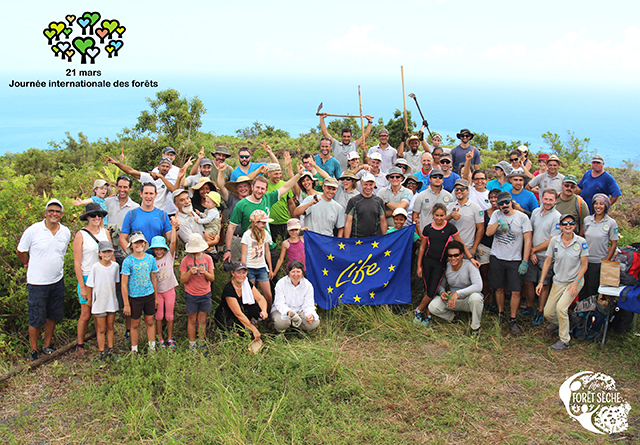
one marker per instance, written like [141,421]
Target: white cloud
[357,43]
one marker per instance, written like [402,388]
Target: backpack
[588,318]
[629,258]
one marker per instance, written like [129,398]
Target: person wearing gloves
[294,305]
[465,287]
[569,253]
[512,230]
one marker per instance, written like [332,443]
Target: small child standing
[99,193]
[196,273]
[165,259]
[256,254]
[210,219]
[139,289]
[101,286]
[293,247]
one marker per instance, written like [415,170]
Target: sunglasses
[412,183]
[568,223]
[459,189]
[454,255]
[569,186]
[514,159]
[437,177]
[395,177]
[94,215]
[445,161]
[504,203]
[244,156]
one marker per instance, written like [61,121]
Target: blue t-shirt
[252,166]
[103,206]
[153,223]
[495,184]
[459,157]
[425,180]
[139,272]
[449,182]
[526,199]
[332,166]
[605,183]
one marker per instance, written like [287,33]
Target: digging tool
[413,96]
[404,100]
[338,115]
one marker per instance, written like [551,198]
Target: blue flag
[374,270]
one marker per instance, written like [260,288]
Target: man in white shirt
[41,250]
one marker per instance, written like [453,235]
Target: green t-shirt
[280,210]
[415,235]
[570,207]
[244,208]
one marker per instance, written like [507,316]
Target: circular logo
[445,199]
[576,247]
[591,398]
[606,227]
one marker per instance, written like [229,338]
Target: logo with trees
[93,35]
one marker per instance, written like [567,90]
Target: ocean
[608,115]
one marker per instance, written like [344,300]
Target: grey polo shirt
[340,152]
[544,227]
[342,196]
[387,195]
[414,160]
[544,181]
[567,259]
[424,203]
[188,225]
[323,216]
[389,157]
[598,235]
[470,215]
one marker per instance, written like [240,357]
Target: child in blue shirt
[100,191]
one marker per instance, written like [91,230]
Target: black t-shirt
[224,315]
[366,214]
[437,240]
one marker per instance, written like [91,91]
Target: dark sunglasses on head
[504,203]
[568,223]
[437,177]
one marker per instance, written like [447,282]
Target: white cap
[353,155]
[400,211]
[367,177]
[376,155]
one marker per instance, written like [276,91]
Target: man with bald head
[425,171]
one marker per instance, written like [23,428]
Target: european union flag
[375,270]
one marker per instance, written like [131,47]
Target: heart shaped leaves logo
[87,46]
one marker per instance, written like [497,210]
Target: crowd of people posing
[527,231]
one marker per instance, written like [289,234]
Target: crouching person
[465,284]
[294,305]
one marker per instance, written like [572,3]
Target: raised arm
[224,192]
[196,166]
[367,130]
[269,151]
[291,182]
[125,168]
[466,170]
[323,127]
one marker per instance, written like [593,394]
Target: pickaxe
[336,115]
[413,96]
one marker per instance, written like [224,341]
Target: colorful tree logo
[109,33]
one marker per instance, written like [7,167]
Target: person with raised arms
[246,166]
[345,145]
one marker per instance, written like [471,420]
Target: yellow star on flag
[330,257]
[356,299]
[385,284]
[374,244]
[340,297]
[325,272]
[387,253]
[392,268]
[372,295]
[330,289]
[341,245]
[358,242]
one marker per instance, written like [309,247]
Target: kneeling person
[465,287]
[294,304]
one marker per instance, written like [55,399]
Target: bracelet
[577,280]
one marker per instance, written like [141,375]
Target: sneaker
[493,308]
[560,346]
[48,350]
[502,319]
[538,319]
[80,352]
[33,356]
[161,344]
[528,312]
[515,329]
[172,344]
[417,319]
[551,327]
[204,349]
[102,358]
[112,355]
[455,320]
[475,333]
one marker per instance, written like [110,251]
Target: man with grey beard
[186,218]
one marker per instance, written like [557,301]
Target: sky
[327,46]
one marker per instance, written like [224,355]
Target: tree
[396,127]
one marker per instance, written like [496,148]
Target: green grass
[366,376]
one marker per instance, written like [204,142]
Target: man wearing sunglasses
[501,170]
[512,230]
[394,195]
[450,178]
[467,216]
[459,153]
[246,166]
[41,250]
[425,200]
[571,204]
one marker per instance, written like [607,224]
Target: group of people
[527,231]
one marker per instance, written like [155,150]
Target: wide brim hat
[92,208]
[465,131]
[519,172]
[412,137]
[402,161]
[348,174]
[222,150]
[202,181]
[307,174]
[158,242]
[232,186]
[196,244]
[412,178]
[395,171]
[136,236]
